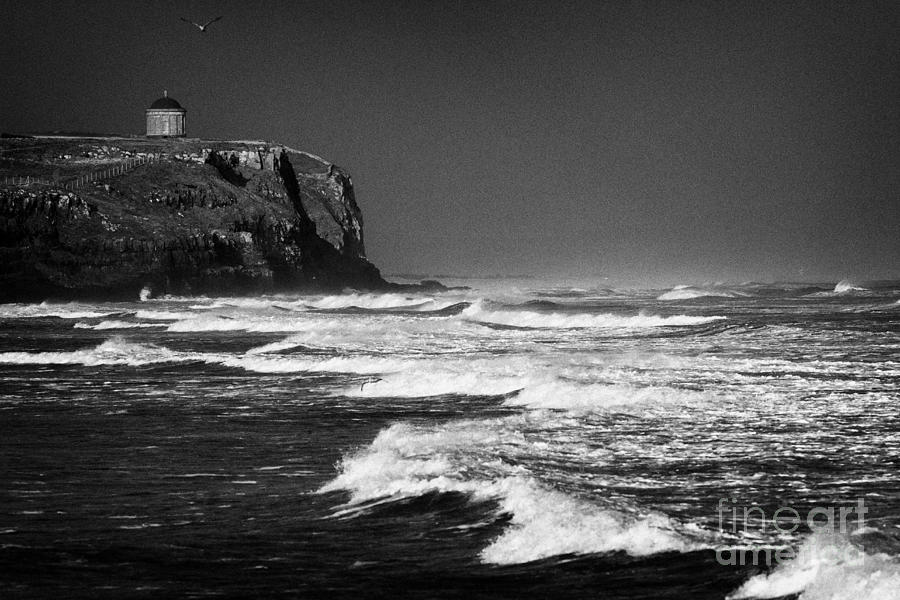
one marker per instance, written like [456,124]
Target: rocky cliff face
[174,216]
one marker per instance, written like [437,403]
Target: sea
[507,439]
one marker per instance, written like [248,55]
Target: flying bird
[203,27]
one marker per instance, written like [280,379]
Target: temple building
[165,118]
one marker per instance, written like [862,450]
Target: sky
[648,142]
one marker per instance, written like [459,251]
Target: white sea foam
[285,344]
[589,397]
[378,301]
[828,567]
[354,333]
[548,523]
[364,365]
[847,287]
[163,315]
[436,377]
[578,385]
[45,309]
[844,287]
[115,351]
[689,293]
[424,383]
[244,322]
[102,325]
[532,319]
[254,302]
[118,351]
[405,461]
[301,324]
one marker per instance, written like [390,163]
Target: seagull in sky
[203,27]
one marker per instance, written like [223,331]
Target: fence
[81,180]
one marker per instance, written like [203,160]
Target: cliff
[108,217]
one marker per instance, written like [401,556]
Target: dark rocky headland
[110,217]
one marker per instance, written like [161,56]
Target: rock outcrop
[114,216]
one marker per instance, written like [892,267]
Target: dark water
[511,442]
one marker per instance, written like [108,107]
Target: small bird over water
[203,27]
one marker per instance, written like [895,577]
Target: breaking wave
[115,351]
[828,567]
[589,397]
[847,287]
[417,385]
[379,302]
[555,320]
[163,315]
[689,293]
[363,365]
[45,309]
[526,384]
[118,351]
[844,287]
[405,461]
[549,523]
[438,378]
[252,323]
[117,325]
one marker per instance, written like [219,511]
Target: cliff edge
[110,217]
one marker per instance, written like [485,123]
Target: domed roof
[166,103]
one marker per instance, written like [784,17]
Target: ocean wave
[308,327]
[103,325]
[253,302]
[844,287]
[275,347]
[363,365]
[547,523]
[407,461]
[828,567]
[426,379]
[576,386]
[163,315]
[114,351]
[555,320]
[45,309]
[848,287]
[378,302]
[588,397]
[252,323]
[689,293]
[350,333]
[119,351]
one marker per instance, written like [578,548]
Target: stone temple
[165,118]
